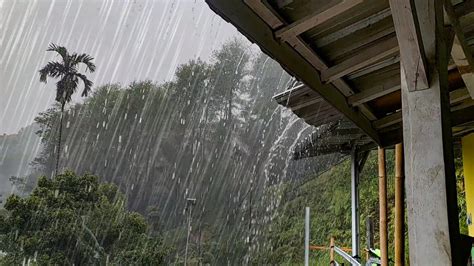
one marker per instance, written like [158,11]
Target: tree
[68,74]
[76,220]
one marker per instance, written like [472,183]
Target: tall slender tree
[68,73]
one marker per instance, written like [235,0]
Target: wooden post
[331,252]
[369,225]
[383,208]
[355,204]
[399,207]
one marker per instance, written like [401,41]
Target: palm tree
[68,74]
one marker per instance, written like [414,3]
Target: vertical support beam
[306,237]
[331,252]
[355,204]
[433,224]
[383,208]
[369,225]
[468,167]
[399,207]
[412,55]
[369,236]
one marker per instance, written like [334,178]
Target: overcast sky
[129,39]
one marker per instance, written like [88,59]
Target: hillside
[328,196]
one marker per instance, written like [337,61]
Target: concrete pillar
[355,205]
[433,226]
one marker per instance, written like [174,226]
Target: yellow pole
[468,165]
[383,208]
[399,207]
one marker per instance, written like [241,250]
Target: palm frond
[52,69]
[61,50]
[87,84]
[85,59]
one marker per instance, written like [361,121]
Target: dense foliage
[328,196]
[213,133]
[76,220]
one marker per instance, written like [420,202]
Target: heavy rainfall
[145,132]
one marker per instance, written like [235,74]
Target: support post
[355,204]
[306,238]
[383,208]
[369,233]
[433,225]
[331,252]
[399,207]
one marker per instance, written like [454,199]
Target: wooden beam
[293,92]
[394,118]
[309,54]
[322,150]
[374,67]
[365,58]
[411,47]
[311,21]
[388,120]
[370,94]
[458,95]
[464,8]
[363,42]
[305,103]
[258,31]
[461,52]
[462,116]
[359,25]
[464,105]
[265,13]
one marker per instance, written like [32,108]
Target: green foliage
[76,220]
[328,196]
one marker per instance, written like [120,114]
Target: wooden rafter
[455,97]
[459,95]
[388,120]
[296,91]
[460,51]
[305,103]
[412,53]
[364,23]
[365,58]
[243,16]
[305,24]
[302,48]
[391,85]
[464,8]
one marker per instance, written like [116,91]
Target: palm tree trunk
[58,153]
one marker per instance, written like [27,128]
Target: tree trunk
[229,108]
[59,139]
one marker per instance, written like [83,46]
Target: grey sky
[129,39]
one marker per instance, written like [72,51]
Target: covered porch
[394,72]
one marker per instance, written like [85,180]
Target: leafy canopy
[76,220]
